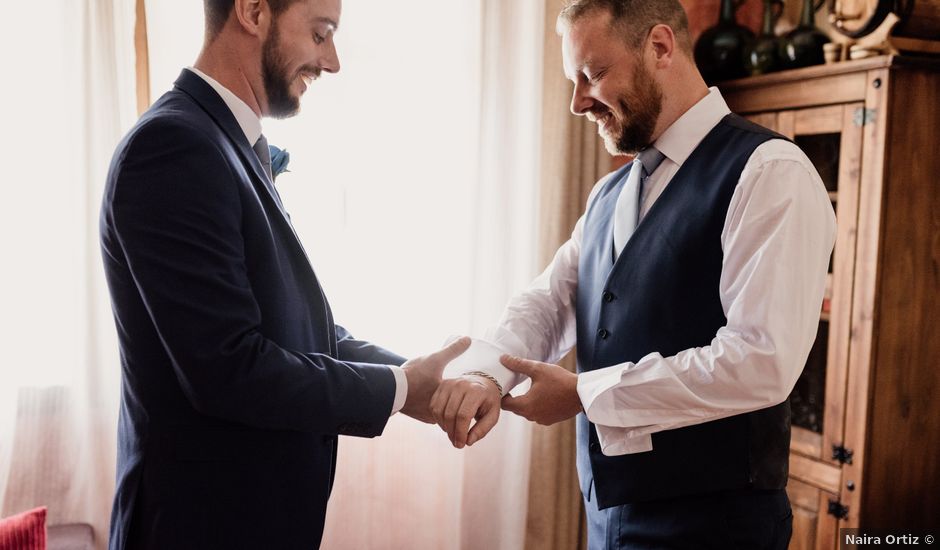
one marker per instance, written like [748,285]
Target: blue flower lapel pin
[279,160]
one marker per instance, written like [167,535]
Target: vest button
[603,333]
[608,297]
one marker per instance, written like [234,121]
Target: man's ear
[662,43]
[253,16]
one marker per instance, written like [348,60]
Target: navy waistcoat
[662,295]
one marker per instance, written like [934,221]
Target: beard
[274,71]
[640,109]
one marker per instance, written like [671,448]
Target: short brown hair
[218,11]
[633,18]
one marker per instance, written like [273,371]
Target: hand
[424,376]
[553,396]
[458,401]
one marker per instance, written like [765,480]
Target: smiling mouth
[600,117]
[308,76]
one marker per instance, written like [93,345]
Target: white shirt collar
[680,139]
[249,122]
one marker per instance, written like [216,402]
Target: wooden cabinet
[865,450]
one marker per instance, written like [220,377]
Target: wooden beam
[142,58]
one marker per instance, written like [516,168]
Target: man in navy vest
[691,286]
[235,379]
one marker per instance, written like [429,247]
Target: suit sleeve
[351,349]
[176,212]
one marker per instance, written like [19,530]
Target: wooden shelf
[833,69]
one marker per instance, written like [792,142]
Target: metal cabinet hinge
[863,116]
[841,454]
[837,509]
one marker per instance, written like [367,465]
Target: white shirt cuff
[401,389]
[618,441]
[614,440]
[482,356]
[593,384]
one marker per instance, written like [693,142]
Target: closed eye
[596,77]
[318,38]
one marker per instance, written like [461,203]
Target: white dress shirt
[250,124]
[776,241]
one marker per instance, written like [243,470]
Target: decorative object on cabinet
[865,449]
[803,46]
[903,26]
[763,55]
[720,50]
[833,52]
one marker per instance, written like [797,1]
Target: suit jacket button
[594,446]
[603,333]
[608,297]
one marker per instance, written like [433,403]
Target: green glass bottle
[763,56]
[803,46]
[719,52]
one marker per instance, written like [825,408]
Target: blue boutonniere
[279,160]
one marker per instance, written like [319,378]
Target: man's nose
[330,60]
[581,103]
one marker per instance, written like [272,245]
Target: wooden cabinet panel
[767,120]
[866,277]
[815,472]
[901,460]
[869,126]
[804,93]
[813,527]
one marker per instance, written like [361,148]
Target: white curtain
[68,95]
[445,202]
[504,252]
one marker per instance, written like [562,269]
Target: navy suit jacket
[235,380]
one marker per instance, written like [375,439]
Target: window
[383,156]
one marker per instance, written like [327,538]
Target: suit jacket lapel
[210,101]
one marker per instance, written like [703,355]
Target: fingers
[466,413]
[483,426]
[520,365]
[455,405]
[451,411]
[451,351]
[438,403]
[517,405]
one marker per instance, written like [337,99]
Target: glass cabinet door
[832,138]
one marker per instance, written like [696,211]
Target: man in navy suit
[235,379]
